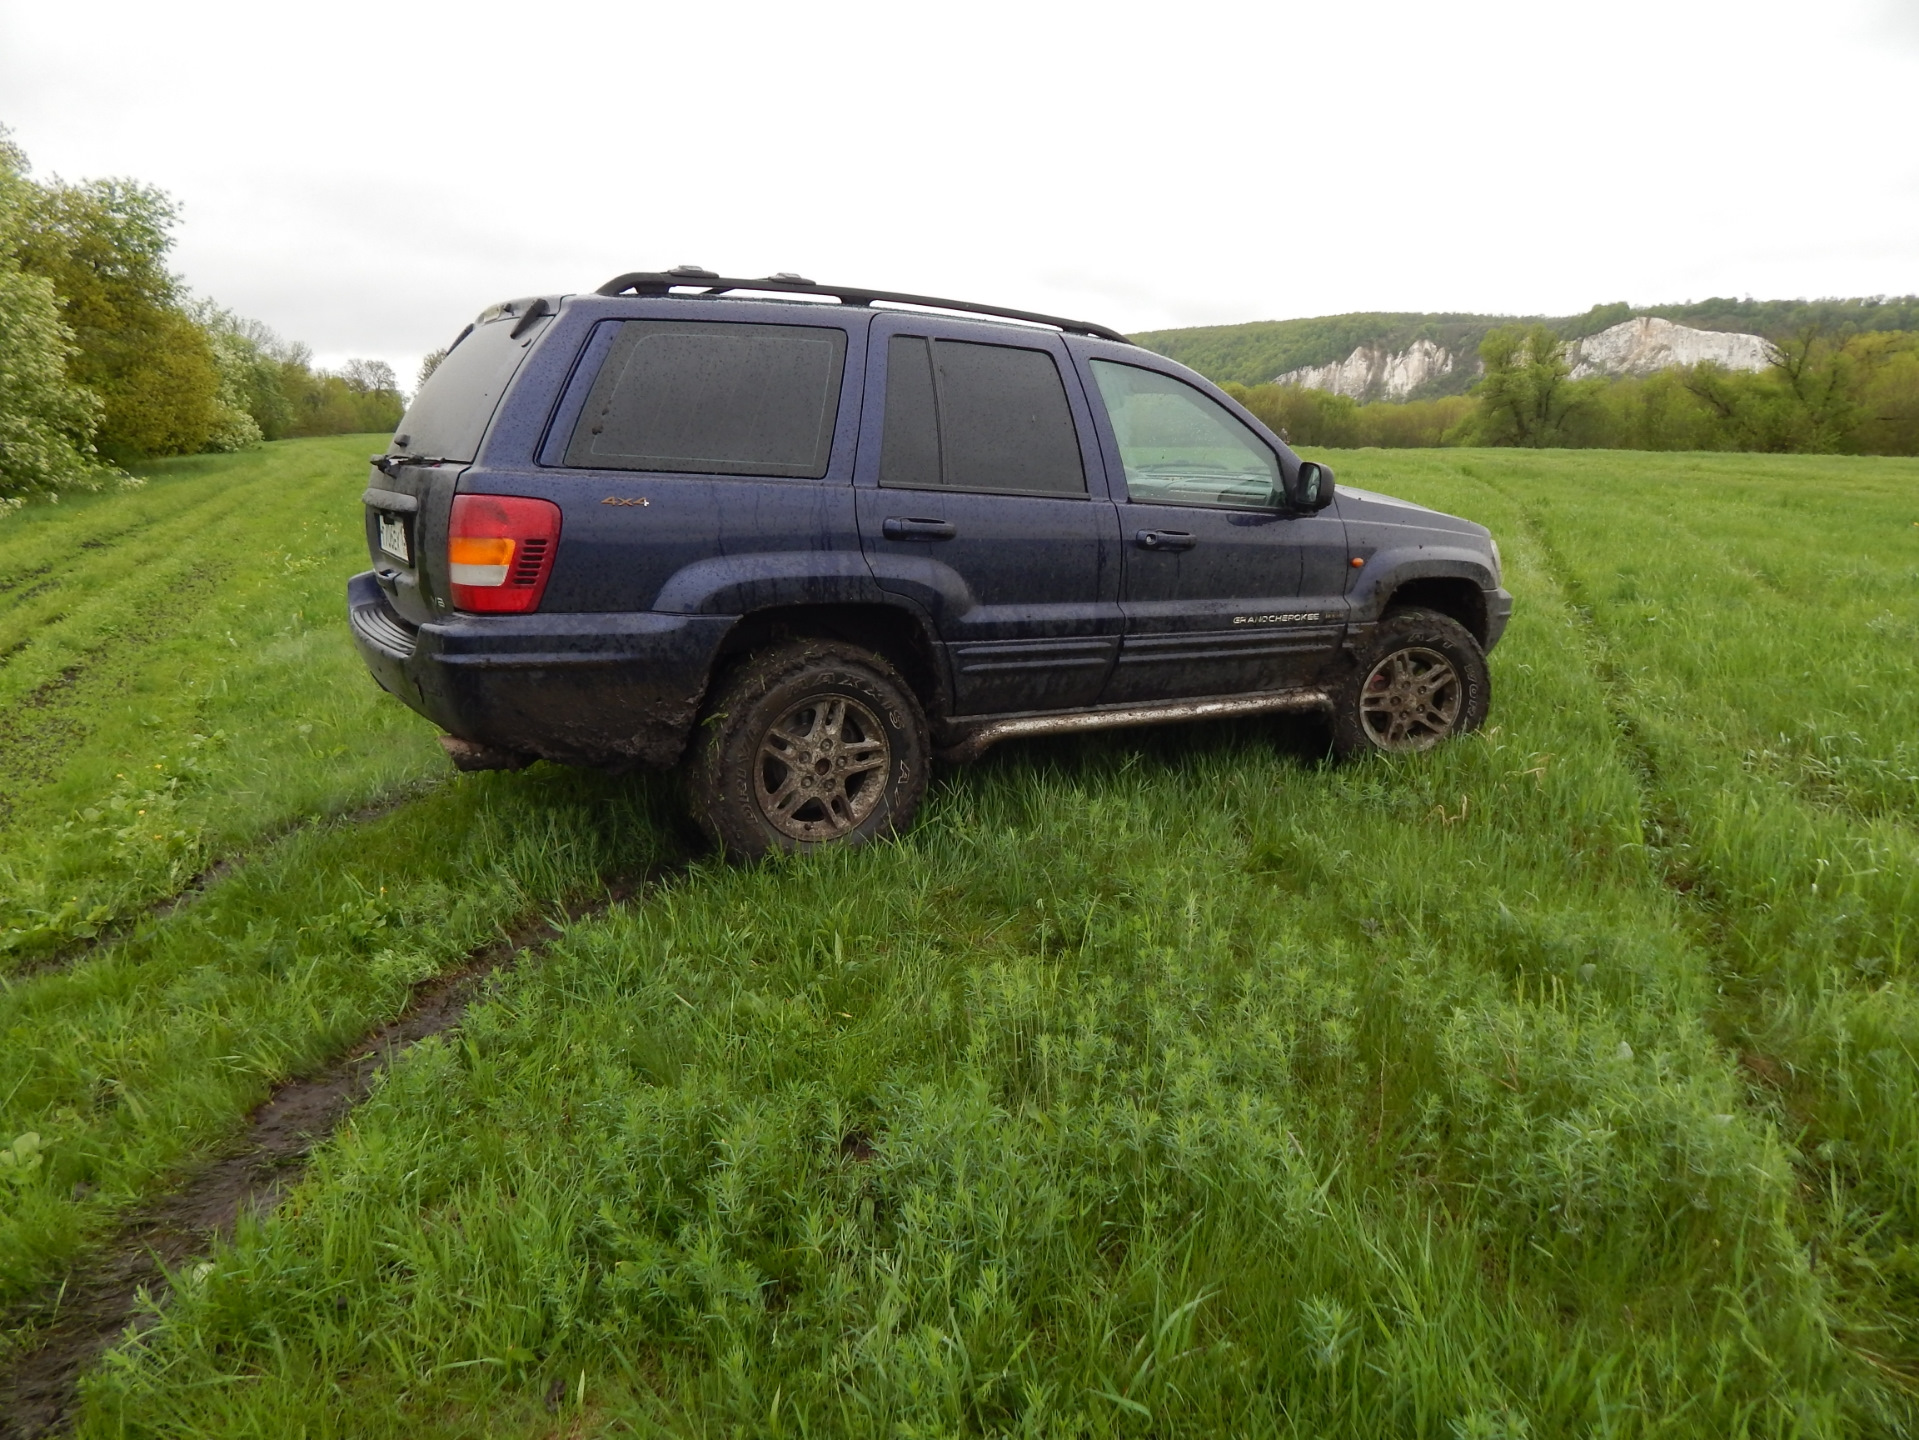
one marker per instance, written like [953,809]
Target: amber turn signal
[1357,562]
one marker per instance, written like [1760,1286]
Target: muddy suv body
[603,510]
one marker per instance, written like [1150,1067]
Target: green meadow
[1177,1082]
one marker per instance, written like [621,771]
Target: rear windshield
[450,414]
[714,399]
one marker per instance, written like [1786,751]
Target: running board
[975,743]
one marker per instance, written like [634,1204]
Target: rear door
[1224,589]
[703,464]
[981,498]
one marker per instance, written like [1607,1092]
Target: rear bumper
[585,689]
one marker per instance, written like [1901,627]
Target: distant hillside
[1262,349]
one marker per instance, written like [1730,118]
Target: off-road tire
[1421,680]
[807,744]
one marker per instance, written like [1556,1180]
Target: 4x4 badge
[618,500]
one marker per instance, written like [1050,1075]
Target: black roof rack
[646,282]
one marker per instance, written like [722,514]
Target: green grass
[236,720]
[173,688]
[1174,1083]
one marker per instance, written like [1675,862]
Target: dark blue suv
[802,539]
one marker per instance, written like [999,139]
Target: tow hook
[472,755]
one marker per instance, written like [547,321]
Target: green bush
[1320,419]
[103,245]
[47,422]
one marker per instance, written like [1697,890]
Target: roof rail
[646,282]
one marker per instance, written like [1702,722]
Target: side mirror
[1313,486]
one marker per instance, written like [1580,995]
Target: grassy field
[1564,1082]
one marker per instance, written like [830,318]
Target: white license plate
[393,538]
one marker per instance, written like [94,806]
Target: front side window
[967,416]
[1181,448]
[714,399]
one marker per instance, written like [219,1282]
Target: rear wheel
[1422,680]
[809,744]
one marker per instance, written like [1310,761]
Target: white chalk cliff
[1646,343]
[1373,372]
[1634,347]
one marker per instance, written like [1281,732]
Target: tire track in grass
[129,526]
[54,1338]
[97,583]
[1665,829]
[1765,1088]
[54,718]
[136,1065]
[163,906]
[1815,786]
[145,564]
[1668,826]
[1665,826]
[82,698]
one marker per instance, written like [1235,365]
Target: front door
[1225,590]
[977,506]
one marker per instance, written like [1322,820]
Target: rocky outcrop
[1646,343]
[1373,373]
[1635,347]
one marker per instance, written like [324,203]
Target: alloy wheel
[822,768]
[1411,700]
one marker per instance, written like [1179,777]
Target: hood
[1358,504]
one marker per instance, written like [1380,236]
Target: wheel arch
[1453,596]
[893,631]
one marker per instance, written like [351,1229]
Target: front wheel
[1422,680]
[809,744]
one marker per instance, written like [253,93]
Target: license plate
[393,538]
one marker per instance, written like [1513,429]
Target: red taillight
[499,552]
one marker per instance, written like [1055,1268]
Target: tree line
[1826,391]
[107,360]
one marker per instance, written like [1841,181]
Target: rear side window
[714,399]
[910,443]
[967,416]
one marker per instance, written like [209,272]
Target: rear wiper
[387,464]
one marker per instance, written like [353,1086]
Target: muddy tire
[1423,679]
[808,744]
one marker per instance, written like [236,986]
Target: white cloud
[367,177]
[1898,21]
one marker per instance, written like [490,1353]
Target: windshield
[450,414]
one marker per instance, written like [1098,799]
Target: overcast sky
[366,176]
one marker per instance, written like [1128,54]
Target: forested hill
[1261,349]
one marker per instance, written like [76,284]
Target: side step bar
[976,742]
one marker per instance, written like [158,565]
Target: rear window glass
[714,399]
[968,416]
[451,412]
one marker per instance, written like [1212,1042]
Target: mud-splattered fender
[741,584]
